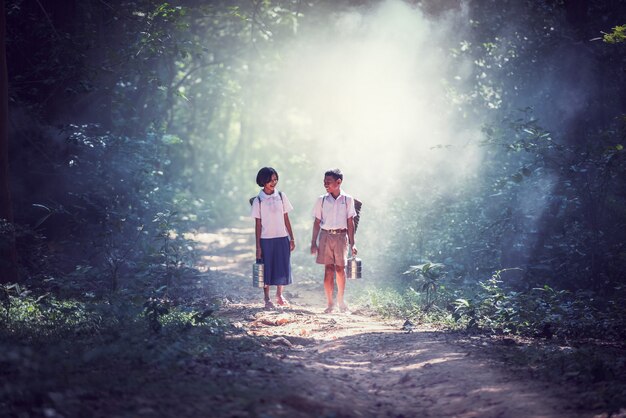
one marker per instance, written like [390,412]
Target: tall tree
[8,253]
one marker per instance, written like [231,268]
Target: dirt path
[337,365]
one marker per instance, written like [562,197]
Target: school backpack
[357,208]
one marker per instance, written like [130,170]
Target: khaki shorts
[332,249]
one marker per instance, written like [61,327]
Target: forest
[485,138]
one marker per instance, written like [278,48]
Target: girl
[274,237]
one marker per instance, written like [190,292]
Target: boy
[334,214]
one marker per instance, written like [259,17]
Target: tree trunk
[8,252]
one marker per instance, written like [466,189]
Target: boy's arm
[351,236]
[316,231]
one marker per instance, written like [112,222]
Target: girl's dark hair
[265,176]
[334,173]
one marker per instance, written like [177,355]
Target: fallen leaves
[278,321]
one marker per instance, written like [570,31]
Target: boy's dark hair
[334,173]
[265,176]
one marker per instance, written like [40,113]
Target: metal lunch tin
[353,268]
[258,270]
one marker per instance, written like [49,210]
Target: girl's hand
[292,245]
[259,255]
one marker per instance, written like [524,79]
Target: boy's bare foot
[344,309]
[329,309]
[269,305]
[282,301]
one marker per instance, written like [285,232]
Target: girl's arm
[257,234]
[316,232]
[292,239]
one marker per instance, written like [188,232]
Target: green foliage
[617,36]
[113,207]
[390,303]
[27,316]
[491,307]
[174,252]
[427,277]
[541,312]
[155,309]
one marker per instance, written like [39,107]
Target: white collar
[331,196]
[264,195]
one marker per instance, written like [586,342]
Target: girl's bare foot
[269,304]
[282,301]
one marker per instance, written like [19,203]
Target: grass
[391,303]
[67,356]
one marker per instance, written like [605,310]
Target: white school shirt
[272,213]
[334,213]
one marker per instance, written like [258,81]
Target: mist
[369,93]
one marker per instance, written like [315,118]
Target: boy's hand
[313,248]
[354,250]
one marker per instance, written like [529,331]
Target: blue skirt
[277,261]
